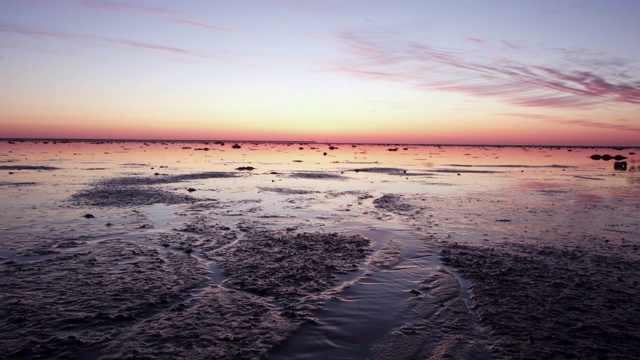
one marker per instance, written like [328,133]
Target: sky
[512,72]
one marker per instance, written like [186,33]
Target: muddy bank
[27,167]
[217,324]
[549,302]
[547,281]
[287,191]
[164,179]
[290,267]
[79,302]
[125,196]
[201,290]
[317,175]
[138,190]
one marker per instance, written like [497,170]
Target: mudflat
[267,250]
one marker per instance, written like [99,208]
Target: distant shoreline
[307,142]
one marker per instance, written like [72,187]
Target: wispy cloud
[203,26]
[617,126]
[30,31]
[516,83]
[474,39]
[601,125]
[158,12]
[127,6]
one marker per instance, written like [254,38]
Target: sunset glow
[427,72]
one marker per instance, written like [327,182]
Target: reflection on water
[141,277]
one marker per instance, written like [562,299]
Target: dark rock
[596,157]
[332,148]
[620,165]
[236,146]
[619,157]
[607,157]
[191,189]
[89,216]
[393,149]
[245,168]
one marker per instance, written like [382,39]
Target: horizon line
[20,139]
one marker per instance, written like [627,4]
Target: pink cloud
[126,6]
[511,46]
[519,84]
[601,125]
[148,46]
[28,31]
[200,25]
[474,39]
[576,122]
[134,7]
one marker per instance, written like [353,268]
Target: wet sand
[427,252]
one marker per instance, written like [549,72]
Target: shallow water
[132,249]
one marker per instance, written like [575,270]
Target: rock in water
[620,165]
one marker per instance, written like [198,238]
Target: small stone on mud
[89,216]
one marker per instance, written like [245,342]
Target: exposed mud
[393,203]
[565,289]
[382,170]
[217,324]
[27,167]
[125,196]
[287,191]
[105,300]
[79,302]
[164,179]
[289,266]
[317,175]
[137,190]
[549,302]
[18,184]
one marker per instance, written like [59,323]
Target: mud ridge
[549,302]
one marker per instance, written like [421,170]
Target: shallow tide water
[306,251]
